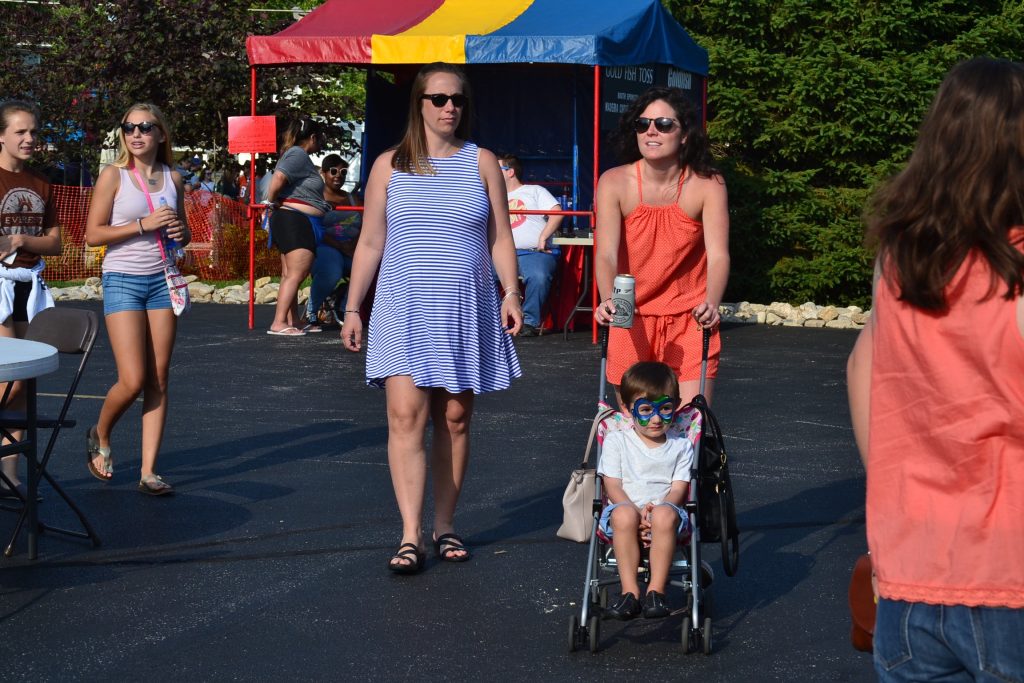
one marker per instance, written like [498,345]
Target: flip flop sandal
[104,472]
[154,486]
[412,553]
[452,544]
[287,332]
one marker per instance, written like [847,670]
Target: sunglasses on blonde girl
[146,127]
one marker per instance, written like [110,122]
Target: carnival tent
[592,32]
[549,77]
[539,111]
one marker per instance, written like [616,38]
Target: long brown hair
[411,153]
[164,152]
[962,189]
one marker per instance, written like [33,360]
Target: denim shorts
[123,292]
[606,517]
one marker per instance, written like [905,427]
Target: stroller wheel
[574,632]
[707,635]
[687,636]
[594,631]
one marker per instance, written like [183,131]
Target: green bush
[811,105]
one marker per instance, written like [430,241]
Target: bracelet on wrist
[514,292]
[139,221]
[351,310]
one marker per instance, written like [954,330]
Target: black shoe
[628,607]
[654,605]
[529,331]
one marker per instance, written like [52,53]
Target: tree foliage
[85,62]
[811,104]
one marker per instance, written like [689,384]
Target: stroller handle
[604,363]
[704,359]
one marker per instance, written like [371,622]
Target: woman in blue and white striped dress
[435,218]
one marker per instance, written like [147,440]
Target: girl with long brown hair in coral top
[936,386]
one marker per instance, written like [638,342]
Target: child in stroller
[646,475]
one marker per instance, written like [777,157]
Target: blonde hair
[164,153]
[411,153]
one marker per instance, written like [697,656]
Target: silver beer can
[624,300]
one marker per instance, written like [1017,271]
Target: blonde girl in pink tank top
[936,388]
[664,218]
[136,307]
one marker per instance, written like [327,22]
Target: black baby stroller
[711,514]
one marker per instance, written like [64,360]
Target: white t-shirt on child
[646,473]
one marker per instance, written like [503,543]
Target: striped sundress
[436,313]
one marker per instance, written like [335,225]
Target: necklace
[152,181]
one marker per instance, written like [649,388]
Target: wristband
[354,310]
[141,231]
[514,292]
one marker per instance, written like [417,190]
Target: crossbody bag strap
[149,200]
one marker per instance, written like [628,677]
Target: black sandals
[407,551]
[446,545]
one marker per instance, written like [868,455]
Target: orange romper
[663,249]
[945,489]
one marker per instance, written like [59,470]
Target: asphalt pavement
[269,561]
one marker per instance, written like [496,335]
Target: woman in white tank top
[136,306]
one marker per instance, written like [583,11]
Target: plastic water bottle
[172,245]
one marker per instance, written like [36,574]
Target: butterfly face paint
[645,409]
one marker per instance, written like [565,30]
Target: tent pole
[593,195]
[251,210]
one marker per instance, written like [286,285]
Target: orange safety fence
[219,249]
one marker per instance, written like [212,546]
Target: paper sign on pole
[252,134]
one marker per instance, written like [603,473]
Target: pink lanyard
[149,200]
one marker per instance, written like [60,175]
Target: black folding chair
[71,331]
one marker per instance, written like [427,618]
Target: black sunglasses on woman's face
[440,99]
[146,127]
[663,124]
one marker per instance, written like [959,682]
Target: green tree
[811,104]
[84,63]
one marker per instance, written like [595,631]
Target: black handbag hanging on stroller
[716,516]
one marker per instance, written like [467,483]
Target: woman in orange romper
[664,218]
